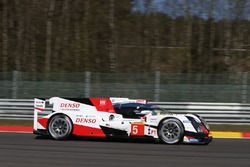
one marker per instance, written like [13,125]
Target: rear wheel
[60,127]
[171,131]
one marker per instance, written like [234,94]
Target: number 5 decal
[137,129]
[134,129]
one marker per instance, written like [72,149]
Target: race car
[117,117]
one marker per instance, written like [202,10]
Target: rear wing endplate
[39,105]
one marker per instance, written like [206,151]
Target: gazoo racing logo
[70,106]
[86,120]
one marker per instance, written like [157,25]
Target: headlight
[204,122]
[200,125]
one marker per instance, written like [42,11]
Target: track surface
[27,150]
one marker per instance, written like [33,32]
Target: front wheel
[171,131]
[60,127]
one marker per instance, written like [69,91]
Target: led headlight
[204,122]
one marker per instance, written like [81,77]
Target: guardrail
[213,113]
[18,109]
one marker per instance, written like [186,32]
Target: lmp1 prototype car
[117,117]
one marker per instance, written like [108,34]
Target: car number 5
[135,129]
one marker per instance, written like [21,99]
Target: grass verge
[232,128]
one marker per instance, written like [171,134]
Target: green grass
[235,128]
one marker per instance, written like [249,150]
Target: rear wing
[39,105]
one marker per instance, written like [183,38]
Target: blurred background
[161,50]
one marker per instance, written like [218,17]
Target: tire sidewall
[69,124]
[179,125]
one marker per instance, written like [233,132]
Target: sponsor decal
[85,120]
[186,121]
[102,102]
[153,131]
[90,116]
[153,119]
[69,105]
[193,140]
[190,139]
[39,104]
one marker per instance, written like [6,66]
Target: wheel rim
[171,132]
[59,127]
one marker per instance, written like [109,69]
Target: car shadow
[98,139]
[141,140]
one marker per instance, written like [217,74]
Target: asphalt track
[25,150]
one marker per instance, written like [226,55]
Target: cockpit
[137,110]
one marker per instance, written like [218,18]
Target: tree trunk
[33,55]
[58,43]
[112,56]
[5,38]
[65,40]
[26,36]
[20,31]
[189,29]
[212,36]
[201,37]
[49,25]
[85,33]
[77,38]
[34,5]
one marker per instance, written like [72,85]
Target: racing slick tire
[171,131]
[60,127]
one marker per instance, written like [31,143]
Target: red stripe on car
[80,130]
[43,121]
[40,109]
[103,104]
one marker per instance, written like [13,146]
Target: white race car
[117,117]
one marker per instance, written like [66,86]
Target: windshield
[159,111]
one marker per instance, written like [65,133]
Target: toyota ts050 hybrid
[116,117]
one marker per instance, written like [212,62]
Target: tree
[5,39]
[49,25]
[112,40]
